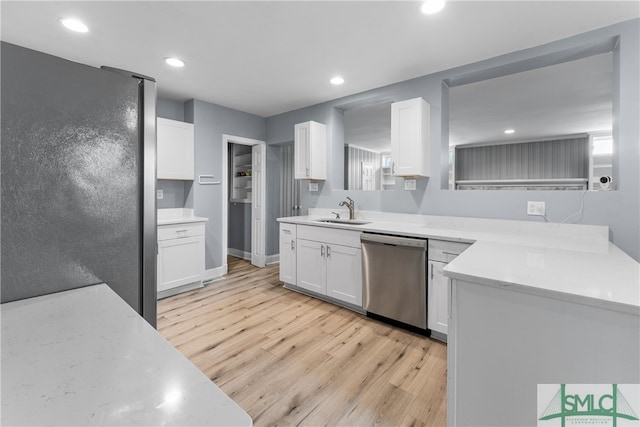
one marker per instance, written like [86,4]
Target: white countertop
[178,216]
[84,357]
[564,261]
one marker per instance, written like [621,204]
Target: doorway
[244,184]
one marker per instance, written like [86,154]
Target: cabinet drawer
[329,235]
[287,231]
[445,251]
[180,231]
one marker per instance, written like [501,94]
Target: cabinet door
[438,297]
[180,262]
[410,137]
[344,274]
[287,254]
[175,150]
[310,151]
[311,269]
[301,150]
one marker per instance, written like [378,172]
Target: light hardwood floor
[289,359]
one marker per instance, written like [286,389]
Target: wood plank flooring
[289,359]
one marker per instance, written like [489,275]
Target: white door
[368,181]
[344,274]
[258,154]
[312,267]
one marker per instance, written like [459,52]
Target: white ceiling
[269,57]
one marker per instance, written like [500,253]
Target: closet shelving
[241,170]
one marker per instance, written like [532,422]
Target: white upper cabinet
[310,151]
[410,127]
[175,150]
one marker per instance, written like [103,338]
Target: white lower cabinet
[330,269]
[344,274]
[438,297]
[288,253]
[180,255]
[440,253]
[312,262]
[328,261]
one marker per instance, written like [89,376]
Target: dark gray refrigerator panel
[72,178]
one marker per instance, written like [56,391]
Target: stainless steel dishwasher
[394,278]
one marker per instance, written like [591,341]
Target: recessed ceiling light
[337,80]
[74,25]
[174,62]
[509,131]
[432,6]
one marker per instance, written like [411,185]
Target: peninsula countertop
[564,261]
[84,357]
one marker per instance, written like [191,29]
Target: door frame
[257,235]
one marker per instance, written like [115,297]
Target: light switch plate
[409,184]
[313,186]
[160,194]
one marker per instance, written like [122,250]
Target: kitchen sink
[343,221]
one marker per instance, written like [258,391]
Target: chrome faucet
[350,205]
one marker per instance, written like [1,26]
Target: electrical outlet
[536,208]
[409,184]
[160,194]
[313,186]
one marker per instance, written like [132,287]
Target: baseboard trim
[272,259]
[213,274]
[239,254]
[180,289]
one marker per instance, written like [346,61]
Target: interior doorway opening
[243,199]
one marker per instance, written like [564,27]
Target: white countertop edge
[168,216]
[186,220]
[543,292]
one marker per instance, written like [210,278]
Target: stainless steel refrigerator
[78,179]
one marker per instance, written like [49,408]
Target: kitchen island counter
[84,357]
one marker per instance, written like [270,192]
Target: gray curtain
[290,190]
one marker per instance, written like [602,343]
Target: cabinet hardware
[328,251]
[431,271]
[450,253]
[286,231]
[322,250]
[293,247]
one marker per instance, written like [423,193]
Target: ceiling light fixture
[430,7]
[174,62]
[74,25]
[337,80]
[509,131]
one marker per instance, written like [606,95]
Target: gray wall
[619,209]
[211,122]
[170,109]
